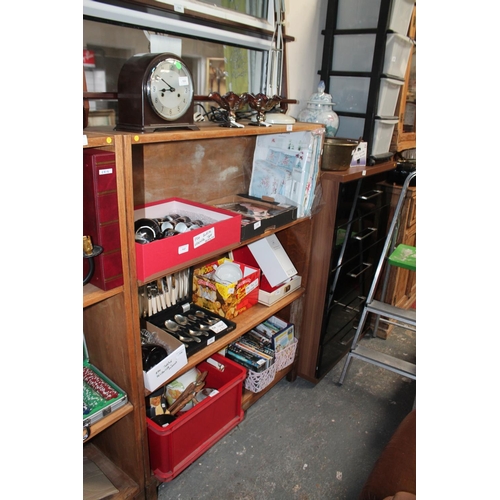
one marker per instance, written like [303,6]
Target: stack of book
[279,333]
[252,352]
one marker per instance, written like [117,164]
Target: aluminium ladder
[401,256]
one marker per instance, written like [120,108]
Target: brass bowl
[337,153]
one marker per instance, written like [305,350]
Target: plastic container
[350,93]
[258,381]
[351,127]
[400,17]
[397,52]
[175,447]
[357,14]
[382,135]
[364,14]
[286,356]
[388,96]
[353,53]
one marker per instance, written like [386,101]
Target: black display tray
[219,328]
[258,216]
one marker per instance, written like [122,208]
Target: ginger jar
[320,110]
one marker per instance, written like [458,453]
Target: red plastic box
[159,256]
[175,447]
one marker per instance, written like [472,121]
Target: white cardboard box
[169,366]
[273,260]
[269,298]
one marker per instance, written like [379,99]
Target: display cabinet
[199,165]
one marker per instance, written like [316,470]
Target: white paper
[158,44]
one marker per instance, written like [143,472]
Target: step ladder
[401,256]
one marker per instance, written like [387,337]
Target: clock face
[170,89]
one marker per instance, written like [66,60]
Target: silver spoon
[173,327]
[198,333]
[182,320]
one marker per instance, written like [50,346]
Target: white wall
[304,20]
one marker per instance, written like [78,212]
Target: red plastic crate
[175,447]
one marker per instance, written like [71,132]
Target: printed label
[218,327]
[205,237]
[252,286]
[183,249]
[106,171]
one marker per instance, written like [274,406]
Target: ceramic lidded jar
[320,110]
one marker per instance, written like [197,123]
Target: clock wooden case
[155,92]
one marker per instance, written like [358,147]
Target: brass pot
[337,153]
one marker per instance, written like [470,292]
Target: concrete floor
[306,442]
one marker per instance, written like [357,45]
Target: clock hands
[170,88]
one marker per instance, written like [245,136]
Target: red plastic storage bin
[175,447]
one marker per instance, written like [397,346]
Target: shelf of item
[125,486]
[109,420]
[112,344]
[245,322]
[207,132]
[212,256]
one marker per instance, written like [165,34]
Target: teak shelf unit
[201,165]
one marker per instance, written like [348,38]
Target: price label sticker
[205,237]
[218,327]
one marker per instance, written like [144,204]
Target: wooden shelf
[93,294]
[206,130]
[209,257]
[125,486]
[248,320]
[98,138]
[109,420]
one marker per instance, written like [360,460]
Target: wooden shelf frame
[149,167]
[127,489]
[109,420]
[113,349]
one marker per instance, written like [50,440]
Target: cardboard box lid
[273,260]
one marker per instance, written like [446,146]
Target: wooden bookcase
[201,165]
